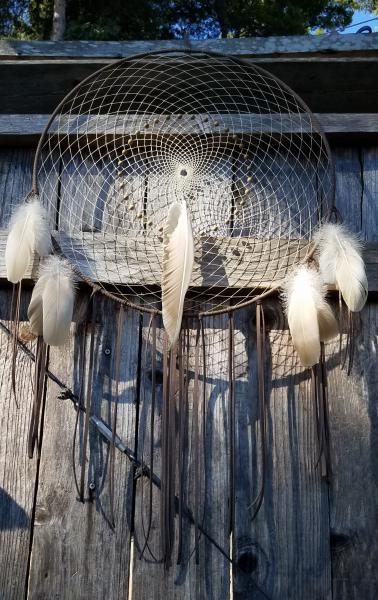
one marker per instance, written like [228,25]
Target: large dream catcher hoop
[189,184]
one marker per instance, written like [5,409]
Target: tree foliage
[153,19]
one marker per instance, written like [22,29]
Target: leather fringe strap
[231,379]
[260,346]
[88,403]
[117,362]
[38,391]
[80,408]
[320,400]
[196,443]
[183,364]
[152,326]
[168,452]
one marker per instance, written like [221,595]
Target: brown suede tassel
[117,361]
[152,326]
[88,402]
[39,387]
[320,399]
[260,346]
[231,379]
[183,358]
[196,443]
[168,452]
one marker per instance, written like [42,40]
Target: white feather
[35,309]
[178,258]
[28,232]
[310,318]
[54,296]
[341,263]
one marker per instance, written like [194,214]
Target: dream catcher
[189,184]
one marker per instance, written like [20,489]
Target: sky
[361,15]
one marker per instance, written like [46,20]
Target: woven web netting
[229,139]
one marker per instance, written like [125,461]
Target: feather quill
[28,232]
[310,318]
[178,258]
[341,263]
[51,307]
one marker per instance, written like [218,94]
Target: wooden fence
[311,540]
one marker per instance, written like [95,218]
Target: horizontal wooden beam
[136,262]
[337,84]
[20,127]
[253,46]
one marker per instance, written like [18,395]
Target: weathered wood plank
[354,442]
[349,186]
[75,552]
[346,129]
[284,552]
[17,471]
[327,85]
[331,123]
[369,198]
[252,46]
[15,179]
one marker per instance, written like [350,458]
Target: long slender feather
[310,318]
[35,309]
[51,307]
[341,263]
[178,258]
[28,232]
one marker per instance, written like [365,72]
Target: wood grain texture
[17,471]
[284,552]
[354,442]
[15,179]
[75,553]
[349,186]
[26,126]
[369,201]
[330,85]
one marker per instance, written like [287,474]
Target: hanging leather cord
[196,443]
[80,403]
[320,400]
[341,324]
[117,361]
[181,416]
[231,379]
[88,403]
[319,419]
[103,429]
[260,344]
[39,384]
[168,452]
[152,325]
[204,372]
[172,448]
[351,329]
[325,409]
